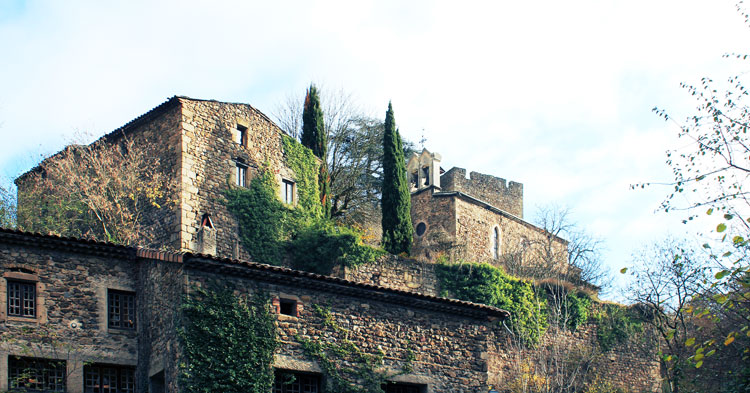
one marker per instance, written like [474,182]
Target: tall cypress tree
[314,137]
[396,199]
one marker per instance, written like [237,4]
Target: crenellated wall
[487,188]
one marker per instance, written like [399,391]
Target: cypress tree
[314,137]
[396,199]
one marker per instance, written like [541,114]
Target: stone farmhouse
[114,308]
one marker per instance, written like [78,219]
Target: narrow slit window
[496,242]
[288,191]
[240,174]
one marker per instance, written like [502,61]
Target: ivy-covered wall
[296,235]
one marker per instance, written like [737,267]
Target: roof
[152,114]
[257,271]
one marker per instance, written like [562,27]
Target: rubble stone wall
[493,190]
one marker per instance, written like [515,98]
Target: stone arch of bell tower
[423,170]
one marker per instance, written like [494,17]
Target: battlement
[506,196]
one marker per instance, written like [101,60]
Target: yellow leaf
[699,364]
[728,340]
[690,342]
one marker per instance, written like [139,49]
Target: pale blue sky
[555,95]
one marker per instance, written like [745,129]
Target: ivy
[486,284]
[347,368]
[322,246]
[578,306]
[616,325]
[305,165]
[270,230]
[261,217]
[228,343]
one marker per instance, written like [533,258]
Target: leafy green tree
[396,199]
[7,208]
[315,137]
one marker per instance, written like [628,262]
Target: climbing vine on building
[347,368]
[228,343]
[486,284]
[616,325]
[269,230]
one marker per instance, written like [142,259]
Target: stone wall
[71,309]
[209,156]
[450,350]
[161,291]
[438,215]
[487,188]
[395,272]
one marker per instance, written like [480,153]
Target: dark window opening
[108,379]
[496,243]
[206,221]
[21,299]
[36,375]
[121,309]
[393,387]
[421,228]
[241,135]
[156,383]
[288,191]
[288,307]
[415,179]
[296,382]
[426,175]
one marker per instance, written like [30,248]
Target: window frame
[242,130]
[22,307]
[119,373]
[300,377]
[38,364]
[287,191]
[121,293]
[240,174]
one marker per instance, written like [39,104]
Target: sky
[554,95]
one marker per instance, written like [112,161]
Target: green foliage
[320,247]
[347,368]
[314,136]
[486,284]
[616,325]
[228,343]
[396,199]
[313,129]
[578,306]
[261,216]
[302,161]
[268,228]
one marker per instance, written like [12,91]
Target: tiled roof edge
[67,244]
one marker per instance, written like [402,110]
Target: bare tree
[668,276]
[542,257]
[7,207]
[101,191]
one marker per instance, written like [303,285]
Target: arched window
[496,243]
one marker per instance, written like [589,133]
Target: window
[295,382]
[36,375]
[393,387]
[240,174]
[21,299]
[287,192]
[421,228]
[239,135]
[288,307]
[121,309]
[100,378]
[496,242]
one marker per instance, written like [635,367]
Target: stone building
[478,219]
[117,306]
[109,315]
